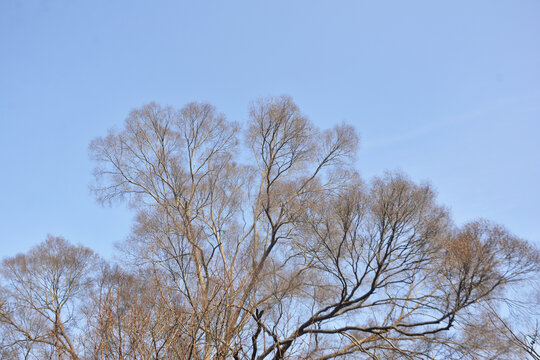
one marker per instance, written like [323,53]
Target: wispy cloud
[447,122]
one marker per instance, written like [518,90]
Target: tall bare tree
[273,247]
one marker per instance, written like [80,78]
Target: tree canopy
[262,241]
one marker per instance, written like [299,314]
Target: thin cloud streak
[445,123]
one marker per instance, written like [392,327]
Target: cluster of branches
[285,254]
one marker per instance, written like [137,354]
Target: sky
[447,92]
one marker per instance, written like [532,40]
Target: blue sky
[447,92]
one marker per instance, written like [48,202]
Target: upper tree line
[286,254]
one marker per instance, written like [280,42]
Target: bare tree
[42,290]
[290,254]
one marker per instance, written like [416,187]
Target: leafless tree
[286,252]
[42,291]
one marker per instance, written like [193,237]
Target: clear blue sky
[448,92]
